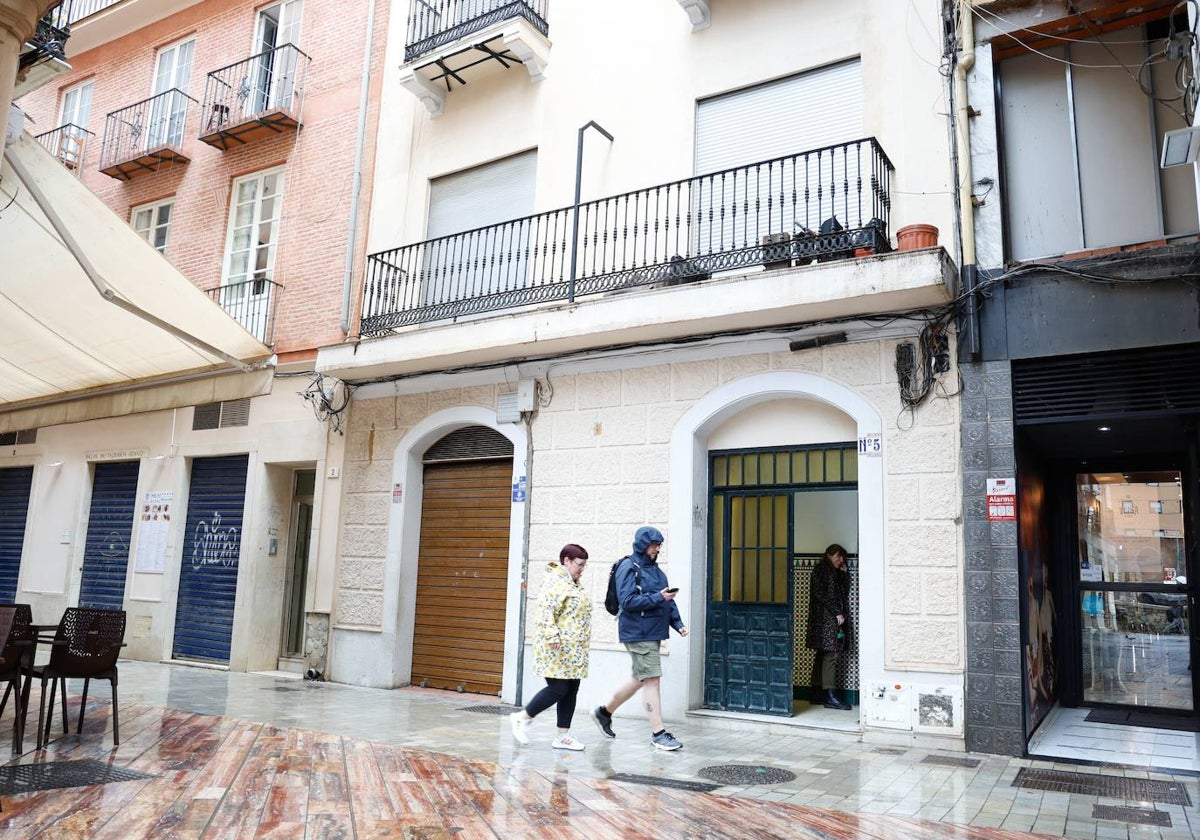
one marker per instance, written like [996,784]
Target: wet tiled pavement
[245,755]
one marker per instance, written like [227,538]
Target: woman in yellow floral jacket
[562,633]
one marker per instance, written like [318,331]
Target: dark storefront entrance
[1106,449]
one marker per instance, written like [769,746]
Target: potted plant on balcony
[915,237]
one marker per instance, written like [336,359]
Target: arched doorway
[462,562]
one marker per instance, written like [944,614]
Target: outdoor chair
[86,645]
[16,659]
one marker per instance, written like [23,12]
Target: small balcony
[454,42]
[254,99]
[252,304]
[44,56]
[816,206]
[68,143]
[146,137]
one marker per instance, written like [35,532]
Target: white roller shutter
[485,195]
[809,111]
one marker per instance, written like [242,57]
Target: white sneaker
[519,726]
[566,742]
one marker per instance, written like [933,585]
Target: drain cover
[659,781]
[490,709]
[1135,816]
[746,774]
[1114,787]
[950,761]
[50,775]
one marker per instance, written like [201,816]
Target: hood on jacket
[645,535]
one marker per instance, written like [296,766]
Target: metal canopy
[135,322]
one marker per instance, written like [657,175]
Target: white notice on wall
[871,445]
[154,527]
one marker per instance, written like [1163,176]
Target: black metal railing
[251,304]
[818,205]
[272,80]
[68,143]
[147,125]
[50,36]
[433,24]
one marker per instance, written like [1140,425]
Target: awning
[136,322]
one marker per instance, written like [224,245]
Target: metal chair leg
[82,704]
[116,717]
[43,734]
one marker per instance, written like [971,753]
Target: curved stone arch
[387,660]
[688,507]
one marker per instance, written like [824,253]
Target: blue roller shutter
[14,509]
[110,526]
[212,546]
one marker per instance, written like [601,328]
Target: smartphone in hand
[673,589]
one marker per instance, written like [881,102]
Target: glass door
[168,110]
[1134,592]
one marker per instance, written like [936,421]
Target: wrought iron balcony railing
[260,94]
[432,24]
[146,135]
[252,304]
[68,143]
[50,37]
[816,205]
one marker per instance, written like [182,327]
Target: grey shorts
[646,660]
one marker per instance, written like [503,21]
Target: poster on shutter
[154,528]
[1002,500]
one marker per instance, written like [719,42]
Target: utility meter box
[888,705]
[510,406]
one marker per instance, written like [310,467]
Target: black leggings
[560,692]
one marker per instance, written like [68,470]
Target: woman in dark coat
[829,620]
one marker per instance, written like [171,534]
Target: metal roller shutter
[212,547]
[809,111]
[484,195]
[462,576]
[14,510]
[110,527]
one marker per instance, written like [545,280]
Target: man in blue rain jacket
[648,611]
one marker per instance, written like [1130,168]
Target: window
[76,108]
[168,111]
[250,251]
[277,38]
[152,222]
[1081,142]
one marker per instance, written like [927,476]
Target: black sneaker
[603,721]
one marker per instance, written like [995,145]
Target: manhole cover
[490,709]
[1113,787]
[746,774]
[50,775]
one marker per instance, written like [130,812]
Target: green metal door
[749,653]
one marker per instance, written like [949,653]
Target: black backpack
[611,602]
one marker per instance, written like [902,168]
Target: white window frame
[156,223]
[273,77]
[69,144]
[168,115]
[244,294]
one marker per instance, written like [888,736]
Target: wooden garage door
[461,576]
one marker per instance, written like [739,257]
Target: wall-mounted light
[54,464]
[158,458]
[1180,146]
[1105,429]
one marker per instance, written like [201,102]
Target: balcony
[252,304]
[145,137]
[453,42]
[68,143]
[43,56]
[253,99]
[815,206]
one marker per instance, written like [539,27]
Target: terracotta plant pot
[915,237]
[863,252]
